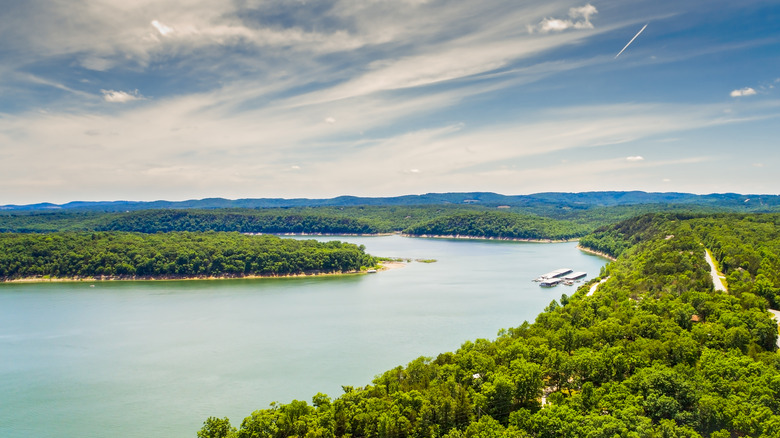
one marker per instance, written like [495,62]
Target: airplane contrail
[632,40]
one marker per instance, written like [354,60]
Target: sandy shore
[386,266]
[175,278]
[383,266]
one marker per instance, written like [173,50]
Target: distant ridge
[732,201]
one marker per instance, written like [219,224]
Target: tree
[215,427]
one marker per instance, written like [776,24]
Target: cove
[155,359]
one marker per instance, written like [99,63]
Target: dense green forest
[653,352]
[170,255]
[541,222]
[325,220]
[497,225]
[747,249]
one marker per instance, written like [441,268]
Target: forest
[542,222]
[496,225]
[472,221]
[120,255]
[654,351]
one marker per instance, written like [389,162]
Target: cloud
[215,43]
[38,80]
[163,29]
[120,96]
[747,91]
[197,146]
[244,92]
[554,25]
[635,158]
[580,19]
[96,63]
[449,63]
[584,11]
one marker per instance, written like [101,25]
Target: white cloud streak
[631,41]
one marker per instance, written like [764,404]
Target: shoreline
[594,252]
[508,239]
[390,265]
[421,236]
[323,234]
[386,266]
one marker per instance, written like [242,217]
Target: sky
[187,99]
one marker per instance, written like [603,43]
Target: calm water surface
[155,359]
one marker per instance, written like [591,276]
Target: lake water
[155,359]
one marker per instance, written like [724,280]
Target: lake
[155,359]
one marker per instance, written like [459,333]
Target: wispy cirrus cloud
[256,95]
[231,39]
[196,148]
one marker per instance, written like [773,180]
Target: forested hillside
[172,255]
[471,220]
[541,222]
[533,202]
[653,352]
[497,225]
[747,249]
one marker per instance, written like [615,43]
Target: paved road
[595,286]
[776,317]
[714,273]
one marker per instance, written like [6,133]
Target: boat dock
[554,274]
[558,276]
[550,282]
[575,276]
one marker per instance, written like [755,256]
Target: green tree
[215,427]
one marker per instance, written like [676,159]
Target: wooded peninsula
[176,255]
